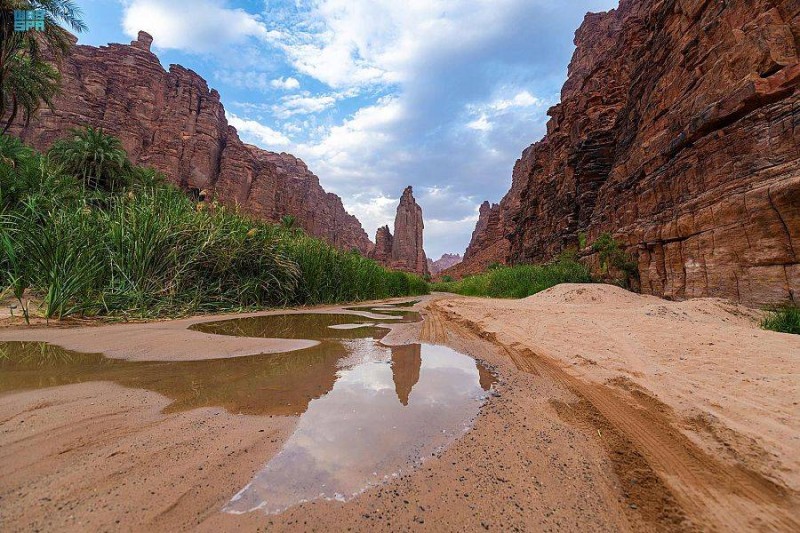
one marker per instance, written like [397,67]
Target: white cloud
[257,132]
[191,25]
[373,211]
[303,104]
[340,154]
[487,114]
[286,84]
[348,43]
[480,124]
[449,94]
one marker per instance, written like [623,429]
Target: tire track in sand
[713,494]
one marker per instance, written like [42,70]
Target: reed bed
[142,248]
[518,281]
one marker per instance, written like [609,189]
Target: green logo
[30,19]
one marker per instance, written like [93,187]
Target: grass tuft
[783,320]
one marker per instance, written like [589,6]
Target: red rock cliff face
[679,132]
[403,250]
[174,123]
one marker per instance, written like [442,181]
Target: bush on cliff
[518,281]
[117,241]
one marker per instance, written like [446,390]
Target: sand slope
[706,396]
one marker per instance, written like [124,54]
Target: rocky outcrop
[443,263]
[678,132]
[384,241]
[489,243]
[174,123]
[403,250]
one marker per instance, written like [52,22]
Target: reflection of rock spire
[487,379]
[406,363]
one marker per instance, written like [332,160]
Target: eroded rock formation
[174,123]
[679,132]
[403,250]
[443,263]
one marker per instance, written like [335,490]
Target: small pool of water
[367,411]
[387,412]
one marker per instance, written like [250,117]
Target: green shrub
[783,320]
[613,257]
[518,281]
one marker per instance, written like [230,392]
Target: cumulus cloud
[462,88]
[440,94]
[286,84]
[192,25]
[303,104]
[257,133]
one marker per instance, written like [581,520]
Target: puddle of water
[312,326]
[367,411]
[278,384]
[385,414]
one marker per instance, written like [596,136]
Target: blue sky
[375,95]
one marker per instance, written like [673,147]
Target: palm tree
[91,155]
[27,85]
[13,151]
[26,50]
[56,38]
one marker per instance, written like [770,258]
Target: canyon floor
[612,412]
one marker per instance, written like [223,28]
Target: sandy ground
[614,412]
[160,341]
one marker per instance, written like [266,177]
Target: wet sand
[613,412]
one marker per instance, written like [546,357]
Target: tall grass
[147,250]
[783,320]
[518,281]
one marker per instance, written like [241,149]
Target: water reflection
[385,414]
[406,364]
[367,411]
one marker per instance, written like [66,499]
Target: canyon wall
[678,131]
[403,250]
[172,122]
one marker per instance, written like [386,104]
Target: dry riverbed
[612,412]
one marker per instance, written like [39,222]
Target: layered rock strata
[174,123]
[678,131]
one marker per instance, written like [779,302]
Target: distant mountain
[443,263]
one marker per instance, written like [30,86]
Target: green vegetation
[90,234]
[616,265]
[27,80]
[518,281]
[783,320]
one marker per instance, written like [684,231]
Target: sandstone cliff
[679,132]
[174,123]
[403,250]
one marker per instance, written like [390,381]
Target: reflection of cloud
[359,433]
